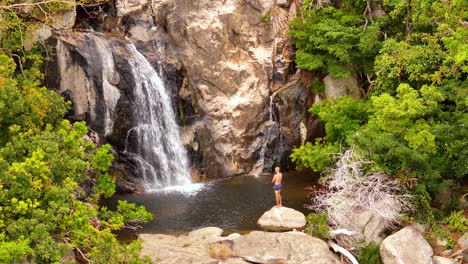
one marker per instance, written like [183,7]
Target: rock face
[88,77]
[336,87]
[178,250]
[230,56]
[406,246]
[282,219]
[240,101]
[256,247]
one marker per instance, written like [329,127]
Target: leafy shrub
[331,39]
[315,156]
[370,254]
[318,225]
[51,179]
[457,222]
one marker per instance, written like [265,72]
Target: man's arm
[274,178]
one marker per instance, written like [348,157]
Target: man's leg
[280,199]
[277,198]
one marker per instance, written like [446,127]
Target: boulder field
[207,245]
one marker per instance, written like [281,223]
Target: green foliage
[370,254]
[266,18]
[342,118]
[24,104]
[14,251]
[425,214]
[51,179]
[457,222]
[315,156]
[317,225]
[412,125]
[41,175]
[331,40]
[318,87]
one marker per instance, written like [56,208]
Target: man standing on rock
[277,187]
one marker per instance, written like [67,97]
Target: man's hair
[277,168]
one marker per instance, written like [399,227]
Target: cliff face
[241,103]
[236,54]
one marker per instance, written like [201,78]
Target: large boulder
[290,247]
[442,260]
[282,219]
[370,226]
[406,246]
[186,249]
[336,87]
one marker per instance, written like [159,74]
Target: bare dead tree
[350,189]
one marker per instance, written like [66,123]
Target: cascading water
[272,128]
[154,142]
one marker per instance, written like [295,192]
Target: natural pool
[233,204]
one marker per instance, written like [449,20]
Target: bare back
[277,178]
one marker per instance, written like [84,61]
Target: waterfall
[154,141]
[271,130]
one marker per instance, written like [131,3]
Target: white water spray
[154,142]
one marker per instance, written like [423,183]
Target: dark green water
[233,204]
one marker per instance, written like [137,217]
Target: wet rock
[89,78]
[441,260]
[336,87]
[124,186]
[406,246]
[282,219]
[291,248]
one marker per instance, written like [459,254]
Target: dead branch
[19,61]
[350,190]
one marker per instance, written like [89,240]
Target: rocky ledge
[282,219]
[207,245]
